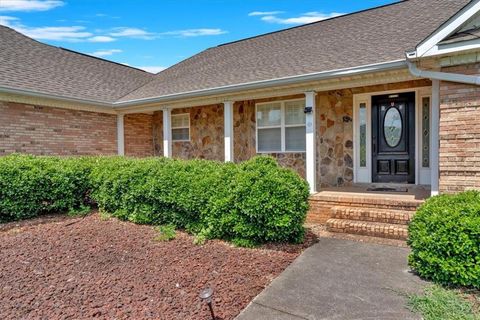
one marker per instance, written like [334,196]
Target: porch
[378,210]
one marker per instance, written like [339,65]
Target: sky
[155,34]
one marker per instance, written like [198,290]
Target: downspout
[443,76]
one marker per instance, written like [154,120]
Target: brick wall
[138,130]
[53,131]
[459,133]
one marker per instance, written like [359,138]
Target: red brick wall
[138,130]
[53,131]
[460,133]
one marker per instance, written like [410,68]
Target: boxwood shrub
[30,185]
[445,239]
[253,202]
[248,203]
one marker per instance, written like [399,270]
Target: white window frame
[282,126]
[182,127]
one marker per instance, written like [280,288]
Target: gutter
[324,75]
[37,94]
[397,64]
[444,76]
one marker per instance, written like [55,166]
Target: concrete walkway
[340,279]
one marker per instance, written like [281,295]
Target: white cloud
[264,13]
[68,33]
[7,20]
[307,17]
[132,33]
[195,32]
[101,39]
[105,52]
[151,69]
[29,5]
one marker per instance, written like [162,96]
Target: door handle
[374,144]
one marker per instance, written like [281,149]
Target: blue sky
[153,34]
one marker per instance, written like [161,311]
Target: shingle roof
[31,65]
[373,36]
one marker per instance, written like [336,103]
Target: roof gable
[438,41]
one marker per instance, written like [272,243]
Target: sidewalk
[340,279]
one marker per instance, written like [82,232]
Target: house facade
[384,96]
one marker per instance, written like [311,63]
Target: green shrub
[445,239]
[249,203]
[165,232]
[254,202]
[30,185]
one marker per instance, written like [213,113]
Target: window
[426,132]
[181,127]
[281,126]
[363,134]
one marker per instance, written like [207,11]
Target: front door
[393,138]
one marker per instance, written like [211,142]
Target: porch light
[206,295]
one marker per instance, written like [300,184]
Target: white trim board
[364,174]
[429,46]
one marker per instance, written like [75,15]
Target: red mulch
[116,270]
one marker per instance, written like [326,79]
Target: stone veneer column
[228,130]
[167,133]
[311,163]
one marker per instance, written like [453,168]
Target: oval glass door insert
[392,127]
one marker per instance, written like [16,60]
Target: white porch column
[435,138]
[311,150]
[228,129]
[167,133]
[120,135]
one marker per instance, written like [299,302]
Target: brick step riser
[367,216]
[331,204]
[388,231]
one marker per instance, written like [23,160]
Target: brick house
[382,100]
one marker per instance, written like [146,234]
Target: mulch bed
[89,268]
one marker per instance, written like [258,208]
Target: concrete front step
[368,228]
[372,214]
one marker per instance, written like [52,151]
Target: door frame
[363,174]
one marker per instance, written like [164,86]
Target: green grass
[442,304]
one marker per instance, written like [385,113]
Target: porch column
[310,133]
[120,135]
[435,138]
[228,130]
[167,133]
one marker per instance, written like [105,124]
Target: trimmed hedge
[445,239]
[253,202]
[30,186]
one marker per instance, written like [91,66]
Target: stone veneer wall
[244,132]
[334,138]
[206,134]
[138,133]
[53,131]
[459,133]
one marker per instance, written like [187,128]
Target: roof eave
[385,66]
[43,95]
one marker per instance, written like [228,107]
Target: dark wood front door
[393,138]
